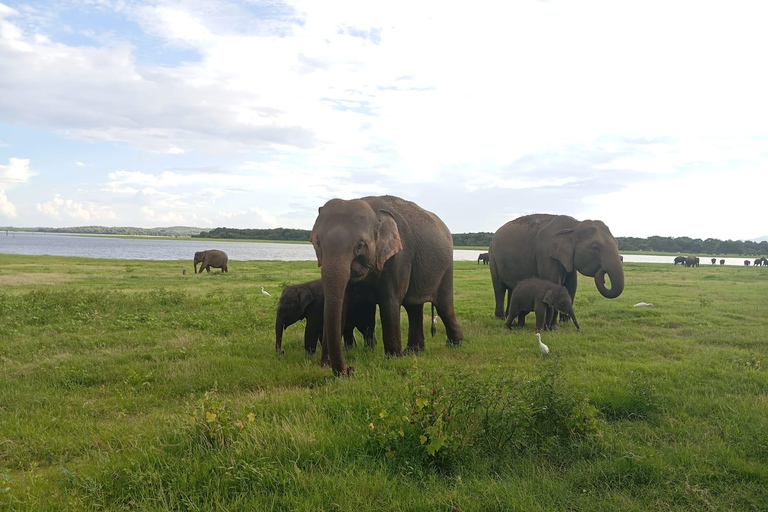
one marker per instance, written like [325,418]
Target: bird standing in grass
[542,347]
[265,292]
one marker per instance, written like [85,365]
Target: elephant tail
[434,321]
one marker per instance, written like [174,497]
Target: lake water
[161,249]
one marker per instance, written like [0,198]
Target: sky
[651,116]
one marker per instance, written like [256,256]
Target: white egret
[542,347]
[265,292]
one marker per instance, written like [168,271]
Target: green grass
[125,385]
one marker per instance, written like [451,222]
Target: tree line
[110,230]
[679,245]
[691,246]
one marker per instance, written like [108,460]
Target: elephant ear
[549,298]
[316,245]
[562,248]
[388,242]
[305,298]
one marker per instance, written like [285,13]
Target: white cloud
[70,209]
[16,172]
[7,208]
[80,164]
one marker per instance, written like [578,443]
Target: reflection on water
[151,249]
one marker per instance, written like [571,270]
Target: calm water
[149,249]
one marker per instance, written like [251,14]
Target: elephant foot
[452,343]
[413,350]
[280,351]
[344,372]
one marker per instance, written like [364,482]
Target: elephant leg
[570,283]
[541,317]
[444,305]
[499,292]
[415,328]
[390,327]
[312,333]
[551,319]
[349,335]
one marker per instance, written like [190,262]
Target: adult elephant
[691,261]
[758,262]
[680,259]
[483,257]
[211,258]
[714,260]
[402,251]
[554,247]
[722,262]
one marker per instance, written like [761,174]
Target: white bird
[643,304]
[265,292]
[542,347]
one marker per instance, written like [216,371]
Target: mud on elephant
[545,298]
[306,300]
[402,251]
[211,258]
[554,248]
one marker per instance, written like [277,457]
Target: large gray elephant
[402,251]
[211,258]
[554,247]
[543,297]
[306,300]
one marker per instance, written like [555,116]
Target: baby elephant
[542,297]
[306,300]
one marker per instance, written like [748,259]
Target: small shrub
[439,418]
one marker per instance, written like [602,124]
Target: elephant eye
[359,247]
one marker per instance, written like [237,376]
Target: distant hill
[763,238]
[107,230]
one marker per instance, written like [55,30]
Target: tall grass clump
[439,418]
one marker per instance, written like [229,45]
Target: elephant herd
[693,261]
[390,252]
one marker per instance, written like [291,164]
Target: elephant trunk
[616,275]
[335,278]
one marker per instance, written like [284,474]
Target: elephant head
[199,255]
[561,301]
[292,307]
[591,249]
[352,242]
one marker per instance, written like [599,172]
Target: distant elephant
[758,262]
[483,257]
[543,297]
[722,262]
[306,300]
[211,258]
[692,261]
[680,259]
[714,260]
[402,251]
[554,247]
[746,262]
[765,262]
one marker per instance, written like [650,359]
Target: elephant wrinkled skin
[554,247]
[402,251]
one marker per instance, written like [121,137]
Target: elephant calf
[306,300]
[542,297]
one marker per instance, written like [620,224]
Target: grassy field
[125,385]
